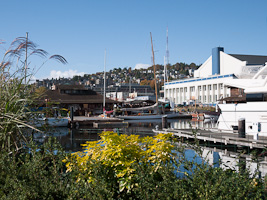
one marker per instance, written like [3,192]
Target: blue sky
[81,30]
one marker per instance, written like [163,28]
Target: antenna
[167,55]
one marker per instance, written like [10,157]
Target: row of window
[207,98]
[192,89]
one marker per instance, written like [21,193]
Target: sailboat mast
[104,96]
[167,55]
[156,89]
[164,74]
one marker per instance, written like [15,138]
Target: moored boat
[155,116]
[211,115]
[52,121]
[252,109]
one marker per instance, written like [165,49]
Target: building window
[209,87]
[199,98]
[210,98]
[215,97]
[199,88]
[181,89]
[221,86]
[185,89]
[204,88]
[205,98]
[215,86]
[192,89]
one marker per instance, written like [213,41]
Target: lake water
[218,156]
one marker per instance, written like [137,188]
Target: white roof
[249,85]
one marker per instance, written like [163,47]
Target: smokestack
[216,60]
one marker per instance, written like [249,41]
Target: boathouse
[84,101]
[210,81]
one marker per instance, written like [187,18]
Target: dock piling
[242,128]
[164,121]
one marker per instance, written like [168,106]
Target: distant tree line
[145,75]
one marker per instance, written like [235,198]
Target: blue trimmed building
[208,84]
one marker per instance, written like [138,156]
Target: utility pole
[26,49]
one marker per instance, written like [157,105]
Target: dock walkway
[81,120]
[218,137]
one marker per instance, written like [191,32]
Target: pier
[215,136]
[89,121]
[110,124]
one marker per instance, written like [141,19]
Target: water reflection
[233,160]
[222,156]
[185,124]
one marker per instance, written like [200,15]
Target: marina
[88,121]
[221,148]
[93,107]
[216,136]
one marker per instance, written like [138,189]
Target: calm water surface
[218,156]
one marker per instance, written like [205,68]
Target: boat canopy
[141,108]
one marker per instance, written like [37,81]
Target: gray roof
[251,59]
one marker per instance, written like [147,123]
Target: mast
[164,75]
[167,55]
[156,89]
[104,96]
[166,62]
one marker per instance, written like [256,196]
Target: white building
[208,84]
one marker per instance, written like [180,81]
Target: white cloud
[141,66]
[65,74]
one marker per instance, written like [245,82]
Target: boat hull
[52,121]
[254,113]
[57,122]
[139,117]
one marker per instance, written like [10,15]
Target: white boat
[253,110]
[254,113]
[211,115]
[52,121]
[57,122]
[154,116]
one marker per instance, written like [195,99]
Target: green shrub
[35,173]
[17,96]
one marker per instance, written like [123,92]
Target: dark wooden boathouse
[85,102]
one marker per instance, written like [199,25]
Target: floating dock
[216,136]
[89,121]
[110,125]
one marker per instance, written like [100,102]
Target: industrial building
[209,82]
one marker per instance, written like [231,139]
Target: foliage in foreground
[118,167]
[122,166]
[16,94]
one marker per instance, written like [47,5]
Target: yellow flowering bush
[123,155]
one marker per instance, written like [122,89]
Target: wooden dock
[218,137]
[110,124]
[89,121]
